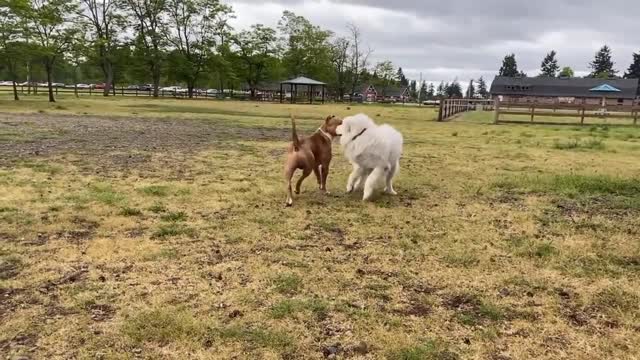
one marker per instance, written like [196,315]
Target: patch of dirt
[101,312]
[84,230]
[7,302]
[416,309]
[10,267]
[72,277]
[24,342]
[118,143]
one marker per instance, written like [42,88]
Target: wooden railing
[581,111]
[451,107]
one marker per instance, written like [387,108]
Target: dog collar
[326,134]
[361,132]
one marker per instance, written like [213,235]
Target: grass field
[157,229]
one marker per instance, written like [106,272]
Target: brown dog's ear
[328,118]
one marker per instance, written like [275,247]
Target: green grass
[498,243]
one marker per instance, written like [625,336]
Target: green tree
[384,70]
[256,52]
[602,64]
[431,92]
[471,90]
[482,89]
[191,28]
[145,17]
[104,22]
[454,90]
[423,92]
[413,89]
[50,25]
[549,66]
[341,64]
[12,49]
[307,50]
[401,78]
[440,92]
[509,66]
[634,69]
[566,72]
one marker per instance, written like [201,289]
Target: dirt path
[116,140]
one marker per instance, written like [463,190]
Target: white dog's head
[352,126]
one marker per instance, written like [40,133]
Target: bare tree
[105,20]
[340,59]
[359,56]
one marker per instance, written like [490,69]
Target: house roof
[393,91]
[564,87]
[605,88]
[301,80]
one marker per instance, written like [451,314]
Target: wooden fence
[123,91]
[452,107]
[579,111]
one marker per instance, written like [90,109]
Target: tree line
[178,41]
[602,66]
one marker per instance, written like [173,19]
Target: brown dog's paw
[289,203]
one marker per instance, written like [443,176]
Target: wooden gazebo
[302,81]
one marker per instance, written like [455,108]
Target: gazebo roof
[605,88]
[303,81]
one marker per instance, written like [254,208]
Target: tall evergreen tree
[440,91]
[431,91]
[602,64]
[509,66]
[454,90]
[549,66]
[634,69]
[423,93]
[401,78]
[471,90]
[413,89]
[482,88]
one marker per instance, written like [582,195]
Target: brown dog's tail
[294,135]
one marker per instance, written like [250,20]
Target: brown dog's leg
[316,171]
[325,173]
[288,174]
[305,173]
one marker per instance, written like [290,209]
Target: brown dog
[310,154]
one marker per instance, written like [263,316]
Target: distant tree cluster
[186,42]
[602,66]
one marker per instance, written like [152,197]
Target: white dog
[374,151]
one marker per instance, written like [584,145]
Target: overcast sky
[467,39]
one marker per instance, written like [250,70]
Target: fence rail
[123,91]
[581,111]
[451,107]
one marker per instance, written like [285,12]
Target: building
[370,93]
[548,90]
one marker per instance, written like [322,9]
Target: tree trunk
[15,90]
[156,80]
[190,86]
[49,69]
[107,70]
[29,77]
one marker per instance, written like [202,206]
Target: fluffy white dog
[374,151]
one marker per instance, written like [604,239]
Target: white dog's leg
[356,174]
[390,175]
[371,182]
[361,179]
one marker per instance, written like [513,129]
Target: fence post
[440,113]
[496,115]
[122,90]
[582,116]
[533,112]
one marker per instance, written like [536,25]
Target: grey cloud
[468,38]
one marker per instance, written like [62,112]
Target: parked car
[43,84]
[212,91]
[58,85]
[6,83]
[170,89]
[133,87]
[99,86]
[83,86]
